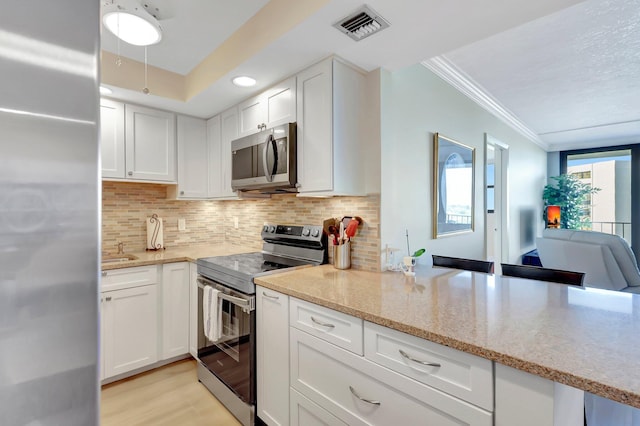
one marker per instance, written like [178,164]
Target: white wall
[415,104]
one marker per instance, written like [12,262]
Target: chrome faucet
[120,247]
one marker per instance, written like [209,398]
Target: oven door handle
[246,305]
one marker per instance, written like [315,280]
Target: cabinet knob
[108,298]
[130,173]
[104,273]
[259,126]
[181,192]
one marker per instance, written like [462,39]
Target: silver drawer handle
[268,296]
[368,401]
[323,324]
[428,364]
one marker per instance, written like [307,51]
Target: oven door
[231,358]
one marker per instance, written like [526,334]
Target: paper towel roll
[154,233]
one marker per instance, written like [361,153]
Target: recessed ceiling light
[244,81]
[105,90]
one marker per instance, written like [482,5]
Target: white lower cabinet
[272,356]
[305,412]
[130,329]
[193,310]
[175,309]
[361,392]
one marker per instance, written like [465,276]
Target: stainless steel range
[226,313]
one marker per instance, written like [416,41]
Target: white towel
[212,313]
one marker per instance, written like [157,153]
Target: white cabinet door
[275,106]
[193,161]
[280,103]
[193,310]
[229,132]
[307,413]
[130,338]
[330,117]
[150,144]
[112,138]
[214,142]
[315,136]
[175,309]
[251,116]
[272,356]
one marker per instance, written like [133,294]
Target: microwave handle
[265,162]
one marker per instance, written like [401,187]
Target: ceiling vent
[362,23]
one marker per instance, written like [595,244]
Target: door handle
[268,174]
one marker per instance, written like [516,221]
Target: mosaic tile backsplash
[125,207]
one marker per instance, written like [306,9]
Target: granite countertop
[176,254]
[582,337]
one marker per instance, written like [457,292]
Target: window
[611,170]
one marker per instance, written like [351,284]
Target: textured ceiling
[572,77]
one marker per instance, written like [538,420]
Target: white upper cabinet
[112,138]
[273,107]
[193,164]
[330,131]
[228,132]
[137,143]
[150,144]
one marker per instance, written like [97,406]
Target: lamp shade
[131,23]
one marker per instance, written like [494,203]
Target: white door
[272,356]
[130,329]
[193,162]
[112,138]
[150,144]
[175,309]
[497,223]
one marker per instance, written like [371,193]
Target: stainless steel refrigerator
[49,212]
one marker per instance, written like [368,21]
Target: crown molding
[447,71]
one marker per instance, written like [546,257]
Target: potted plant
[571,195]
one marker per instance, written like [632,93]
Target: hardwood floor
[168,396]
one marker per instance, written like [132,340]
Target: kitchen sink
[118,258]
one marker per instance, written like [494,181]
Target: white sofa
[606,260]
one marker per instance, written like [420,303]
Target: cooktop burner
[283,247]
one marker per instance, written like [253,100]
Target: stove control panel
[301,232]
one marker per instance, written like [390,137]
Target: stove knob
[272,229]
[315,233]
[265,229]
[305,232]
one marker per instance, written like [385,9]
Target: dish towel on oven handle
[212,313]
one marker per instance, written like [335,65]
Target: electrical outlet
[182,224]
[235,222]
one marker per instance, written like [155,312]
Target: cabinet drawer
[341,382]
[460,374]
[116,279]
[307,413]
[340,329]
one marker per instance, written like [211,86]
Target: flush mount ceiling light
[244,81]
[131,22]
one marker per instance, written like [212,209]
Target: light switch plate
[182,224]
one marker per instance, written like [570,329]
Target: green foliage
[418,253]
[571,195]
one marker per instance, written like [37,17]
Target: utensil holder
[342,256]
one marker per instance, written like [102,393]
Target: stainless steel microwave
[265,161]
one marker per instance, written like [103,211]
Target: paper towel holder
[155,233]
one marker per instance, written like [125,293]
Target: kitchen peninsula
[583,338]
